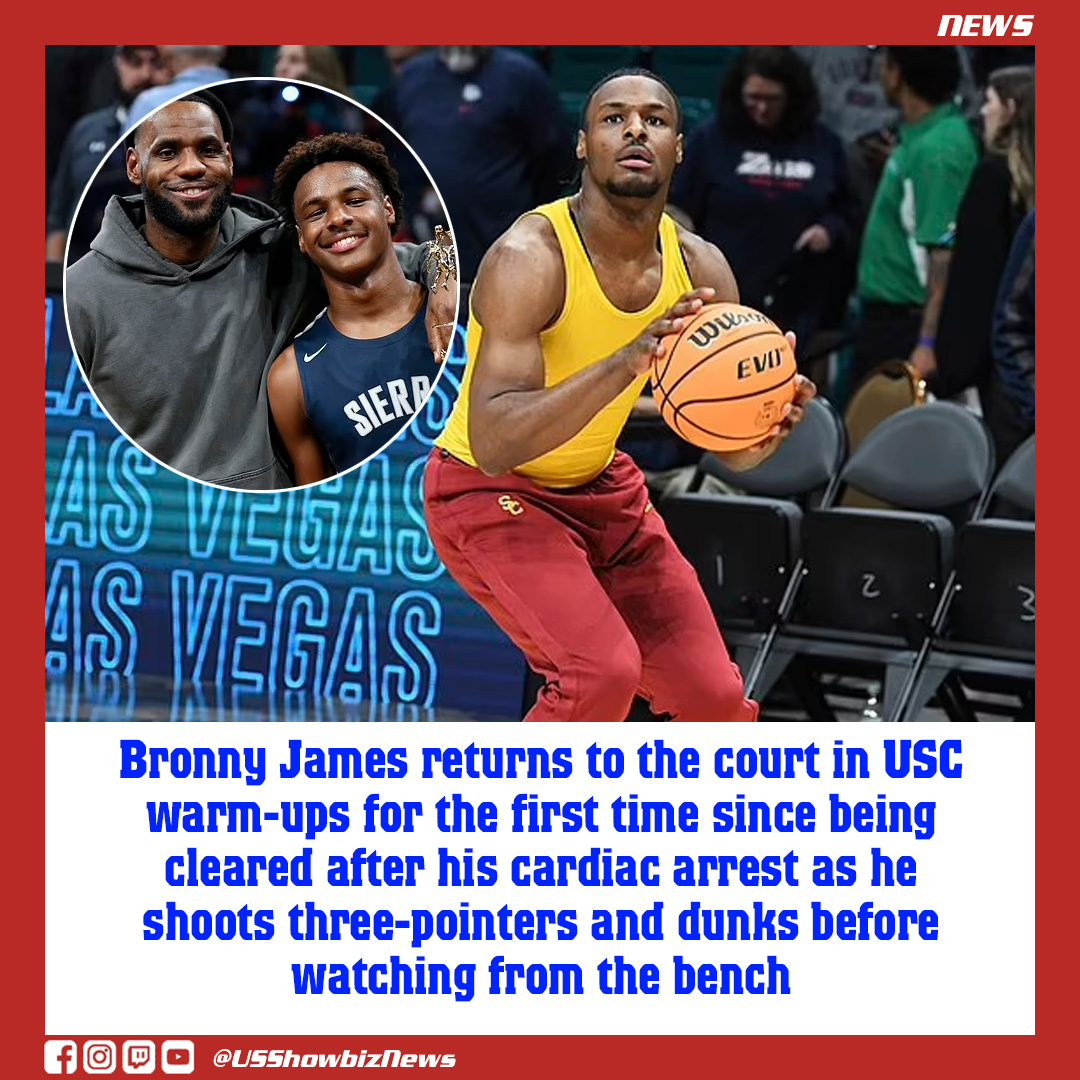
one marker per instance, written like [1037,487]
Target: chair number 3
[1028,603]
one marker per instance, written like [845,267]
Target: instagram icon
[99,1056]
[137,1056]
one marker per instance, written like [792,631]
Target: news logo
[986,25]
[61,1056]
[177,1056]
[137,1056]
[99,1056]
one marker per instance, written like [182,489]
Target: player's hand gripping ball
[724,379]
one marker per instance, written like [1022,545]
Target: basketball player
[355,377]
[527,502]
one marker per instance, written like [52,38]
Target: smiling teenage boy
[359,373]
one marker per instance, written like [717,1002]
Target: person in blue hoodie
[188,294]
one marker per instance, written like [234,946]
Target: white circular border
[67,324]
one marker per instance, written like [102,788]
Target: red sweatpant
[592,589]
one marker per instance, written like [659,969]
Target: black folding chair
[872,580]
[984,638]
[745,545]
[1013,492]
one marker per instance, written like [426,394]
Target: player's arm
[708,267]
[286,396]
[513,416]
[437,271]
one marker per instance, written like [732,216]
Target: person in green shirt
[905,249]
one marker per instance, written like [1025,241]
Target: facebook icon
[60,1056]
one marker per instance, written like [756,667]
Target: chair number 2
[869,586]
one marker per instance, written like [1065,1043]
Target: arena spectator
[72,74]
[137,68]
[855,106]
[487,124]
[904,256]
[396,55]
[384,103]
[319,64]
[192,67]
[1012,404]
[1001,191]
[767,183]
[848,80]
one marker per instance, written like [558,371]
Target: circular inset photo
[263,307]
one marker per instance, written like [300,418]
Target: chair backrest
[890,387]
[936,457]
[994,603]
[879,572]
[743,548]
[806,462]
[1014,485]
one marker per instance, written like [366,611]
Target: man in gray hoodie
[187,295]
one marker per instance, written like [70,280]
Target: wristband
[927,342]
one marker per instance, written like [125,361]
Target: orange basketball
[725,378]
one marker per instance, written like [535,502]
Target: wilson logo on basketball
[728,320]
[724,380]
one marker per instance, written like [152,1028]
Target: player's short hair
[199,97]
[932,71]
[337,146]
[622,72]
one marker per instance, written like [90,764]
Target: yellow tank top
[589,328]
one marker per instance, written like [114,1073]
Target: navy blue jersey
[359,393]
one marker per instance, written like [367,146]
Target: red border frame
[501,1056]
